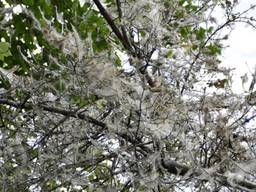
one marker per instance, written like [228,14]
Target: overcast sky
[241,53]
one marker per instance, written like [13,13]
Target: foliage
[73,118]
[4,50]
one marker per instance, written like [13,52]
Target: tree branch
[233,180]
[175,168]
[122,37]
[171,166]
[112,25]
[29,106]
[120,15]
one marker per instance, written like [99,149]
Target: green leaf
[79,101]
[29,2]
[194,47]
[4,50]
[4,47]
[60,85]
[179,14]
[181,2]
[4,83]
[200,33]
[169,53]
[212,50]
[184,32]
[100,45]
[118,61]
[51,184]
[210,30]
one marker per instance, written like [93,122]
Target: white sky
[241,53]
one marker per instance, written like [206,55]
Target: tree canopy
[122,95]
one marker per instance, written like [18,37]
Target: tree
[74,118]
